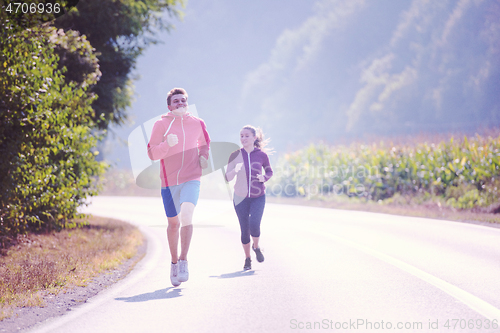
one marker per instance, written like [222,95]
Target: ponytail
[260,142]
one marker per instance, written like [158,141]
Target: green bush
[46,140]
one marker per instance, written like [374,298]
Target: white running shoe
[174,270]
[183,275]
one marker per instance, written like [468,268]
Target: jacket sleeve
[230,173]
[157,148]
[267,168]
[204,140]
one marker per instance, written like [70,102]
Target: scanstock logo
[147,172]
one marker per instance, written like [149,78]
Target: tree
[59,86]
[46,139]
[119,30]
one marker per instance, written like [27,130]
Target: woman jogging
[251,167]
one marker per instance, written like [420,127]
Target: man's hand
[172,140]
[237,167]
[203,162]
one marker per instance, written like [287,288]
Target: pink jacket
[180,163]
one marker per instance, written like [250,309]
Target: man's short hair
[175,91]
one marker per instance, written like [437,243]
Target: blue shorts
[174,196]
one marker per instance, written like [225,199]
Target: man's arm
[157,148]
[204,140]
[203,145]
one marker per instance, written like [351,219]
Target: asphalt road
[325,270]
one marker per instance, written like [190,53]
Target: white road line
[475,303]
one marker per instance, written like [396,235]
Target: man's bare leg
[173,236]
[187,210]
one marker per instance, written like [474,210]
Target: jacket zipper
[183,148]
[249,174]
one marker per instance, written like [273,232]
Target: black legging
[249,212]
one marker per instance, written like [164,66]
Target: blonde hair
[260,142]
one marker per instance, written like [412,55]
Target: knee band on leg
[186,215]
[185,221]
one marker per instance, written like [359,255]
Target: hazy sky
[330,70]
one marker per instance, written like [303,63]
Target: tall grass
[463,173]
[48,263]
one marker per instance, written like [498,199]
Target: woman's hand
[261,178]
[238,167]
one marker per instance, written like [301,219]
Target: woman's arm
[233,166]
[267,169]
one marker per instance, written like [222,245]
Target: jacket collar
[170,114]
[253,151]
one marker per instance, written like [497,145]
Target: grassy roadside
[47,264]
[121,182]
[430,210]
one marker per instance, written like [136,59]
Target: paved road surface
[325,270]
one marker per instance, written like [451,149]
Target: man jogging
[181,142]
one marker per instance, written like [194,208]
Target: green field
[460,173]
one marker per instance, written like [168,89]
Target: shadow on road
[194,225]
[170,292]
[233,275]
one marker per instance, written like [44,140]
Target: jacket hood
[171,115]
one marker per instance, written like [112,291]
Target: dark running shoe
[248,264]
[258,253]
